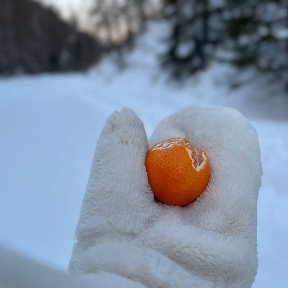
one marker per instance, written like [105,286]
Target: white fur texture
[209,243]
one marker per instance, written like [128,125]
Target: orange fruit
[177,171]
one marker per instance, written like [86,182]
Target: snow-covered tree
[245,33]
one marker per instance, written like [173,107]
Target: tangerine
[178,172]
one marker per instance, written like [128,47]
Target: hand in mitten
[211,242]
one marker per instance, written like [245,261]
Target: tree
[244,33]
[34,39]
[118,21]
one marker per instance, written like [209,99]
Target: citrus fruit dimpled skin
[177,171]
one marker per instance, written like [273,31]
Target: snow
[49,126]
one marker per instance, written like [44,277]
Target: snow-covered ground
[49,127]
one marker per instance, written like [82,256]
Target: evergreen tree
[34,39]
[246,33]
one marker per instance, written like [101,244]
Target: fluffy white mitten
[209,243]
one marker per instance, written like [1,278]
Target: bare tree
[119,20]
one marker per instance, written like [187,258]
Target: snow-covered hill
[49,126]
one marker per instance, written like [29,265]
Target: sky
[67,7]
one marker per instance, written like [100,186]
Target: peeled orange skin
[177,171]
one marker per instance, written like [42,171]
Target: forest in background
[34,39]
[247,34]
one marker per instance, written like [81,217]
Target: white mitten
[209,243]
